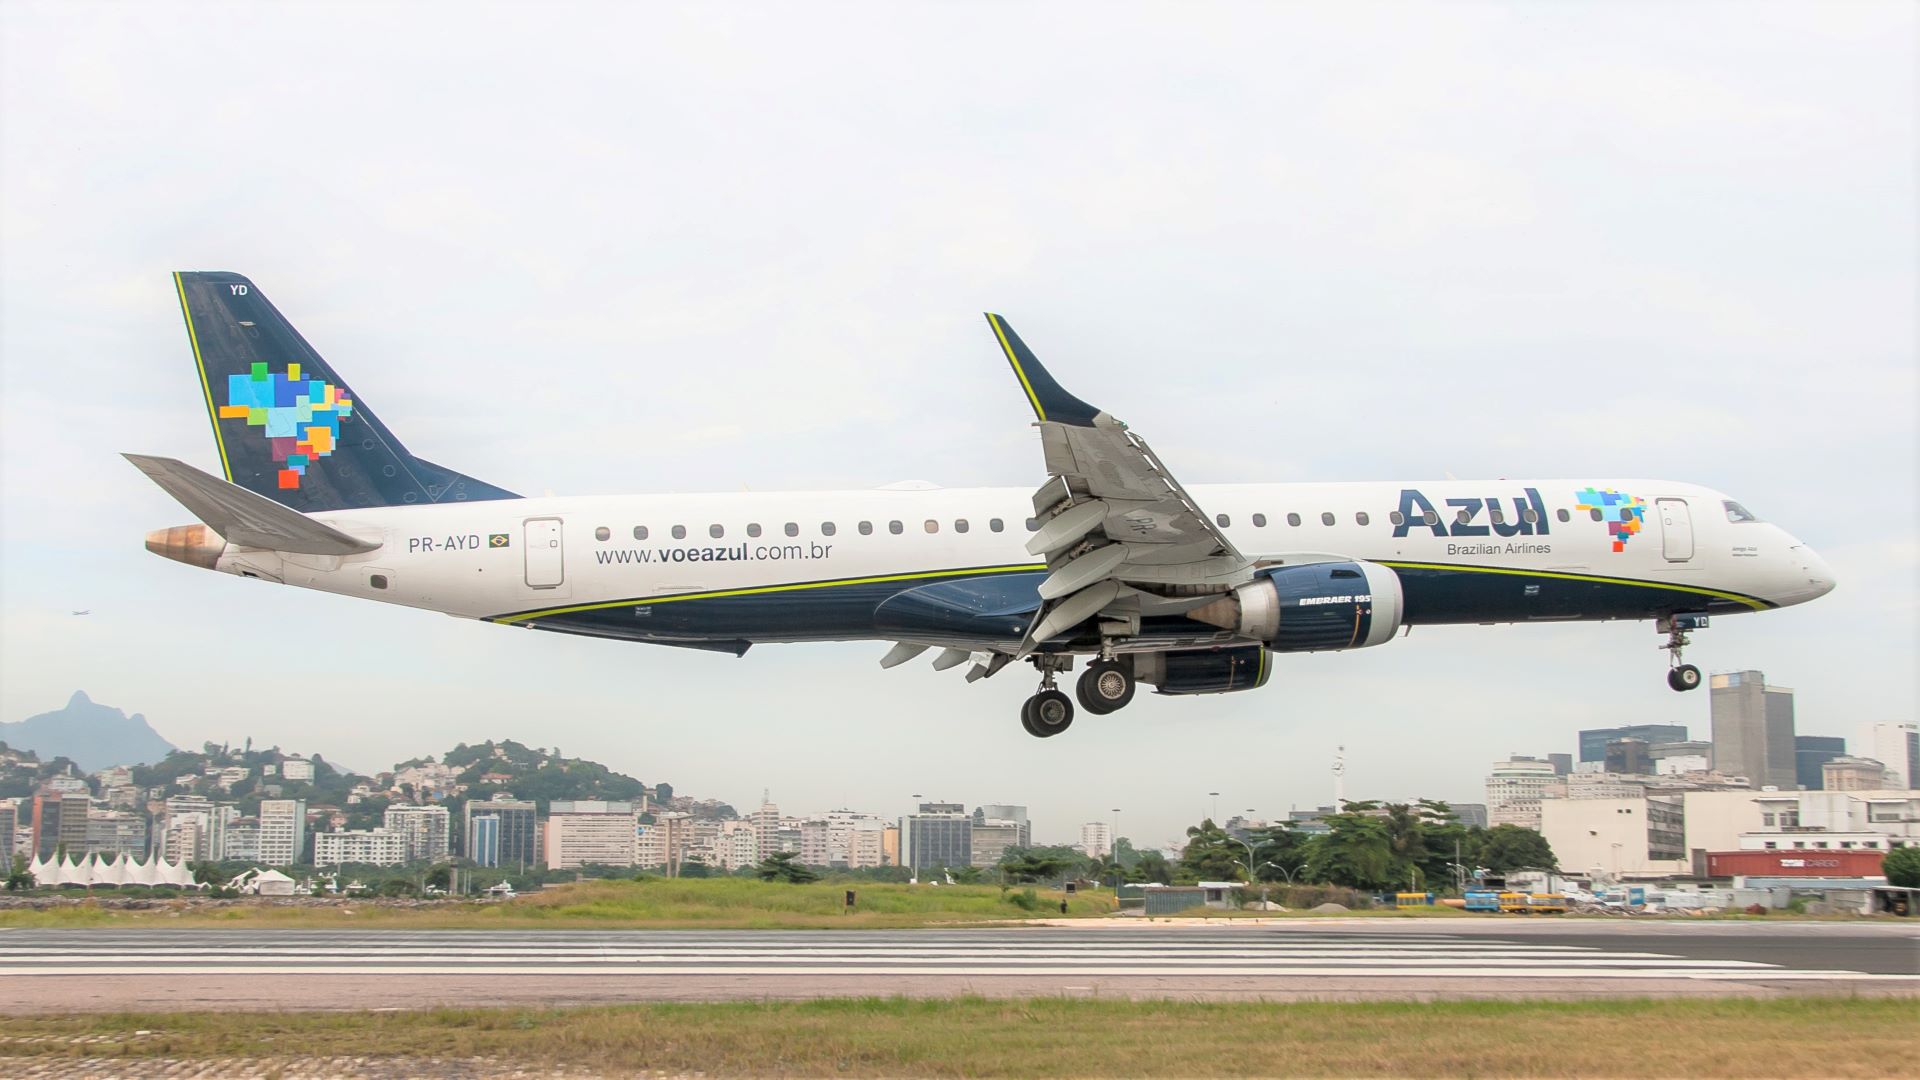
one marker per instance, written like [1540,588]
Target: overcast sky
[602,249]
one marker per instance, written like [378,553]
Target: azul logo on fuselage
[1472,516]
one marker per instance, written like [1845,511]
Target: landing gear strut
[1682,677]
[1049,712]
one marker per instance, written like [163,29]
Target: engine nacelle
[1312,607]
[1208,671]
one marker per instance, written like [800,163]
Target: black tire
[1683,678]
[1052,713]
[1098,685]
[1026,719]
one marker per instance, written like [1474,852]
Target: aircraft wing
[1121,537]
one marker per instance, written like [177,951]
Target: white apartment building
[283,831]
[1516,787]
[425,829]
[374,847]
[297,769]
[738,845]
[1096,839]
[1733,820]
[1612,837]
[1897,746]
[584,832]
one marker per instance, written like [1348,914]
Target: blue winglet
[1050,402]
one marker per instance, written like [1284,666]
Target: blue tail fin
[286,425]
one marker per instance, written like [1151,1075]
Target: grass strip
[1806,1036]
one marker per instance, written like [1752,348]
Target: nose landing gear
[1680,676]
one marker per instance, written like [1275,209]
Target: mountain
[93,736]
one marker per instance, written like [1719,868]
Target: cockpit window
[1738,513]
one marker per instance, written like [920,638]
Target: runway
[141,969]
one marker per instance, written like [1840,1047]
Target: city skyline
[1501,246]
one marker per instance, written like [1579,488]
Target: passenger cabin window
[1530,516]
[1397,518]
[932,526]
[1362,517]
[826,528]
[960,525]
[1495,514]
[716,531]
[378,581]
[1293,519]
[1595,512]
[1326,519]
[1563,515]
[1222,520]
[1033,524]
[602,533]
[1736,513]
[866,528]
[896,528]
[1462,518]
[1431,517]
[679,532]
[639,532]
[1259,521]
[753,528]
[792,528]
[996,525]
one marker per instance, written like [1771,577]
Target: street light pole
[1113,849]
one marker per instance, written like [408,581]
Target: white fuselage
[517,560]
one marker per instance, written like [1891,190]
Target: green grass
[682,902]
[1809,1036]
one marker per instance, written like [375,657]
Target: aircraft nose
[1819,576]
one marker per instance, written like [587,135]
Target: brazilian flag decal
[496,540]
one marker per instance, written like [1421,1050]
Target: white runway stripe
[665,955]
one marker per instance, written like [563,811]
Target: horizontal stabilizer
[242,517]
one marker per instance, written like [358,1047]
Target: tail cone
[195,545]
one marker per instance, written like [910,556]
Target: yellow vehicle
[1519,903]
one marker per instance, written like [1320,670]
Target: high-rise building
[242,840]
[511,841]
[1810,752]
[423,827]
[9,824]
[373,847]
[1515,788]
[940,835]
[766,826]
[1562,764]
[591,832]
[1753,729]
[1096,839]
[986,812]
[991,841]
[116,833]
[60,823]
[1593,741]
[283,831]
[1898,747]
[1629,756]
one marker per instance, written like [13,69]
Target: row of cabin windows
[960,525]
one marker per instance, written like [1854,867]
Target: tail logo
[299,417]
[1623,514]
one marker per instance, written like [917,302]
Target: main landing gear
[1104,687]
[1681,677]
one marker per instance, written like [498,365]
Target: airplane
[1187,590]
[89,611]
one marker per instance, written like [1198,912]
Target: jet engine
[1312,607]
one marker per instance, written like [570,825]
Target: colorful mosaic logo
[1624,514]
[301,417]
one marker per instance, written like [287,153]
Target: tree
[1280,852]
[440,877]
[1514,847]
[1150,866]
[18,876]
[1902,867]
[695,867]
[208,873]
[785,866]
[965,875]
[1211,855]
[1356,851]
[394,887]
[1035,864]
